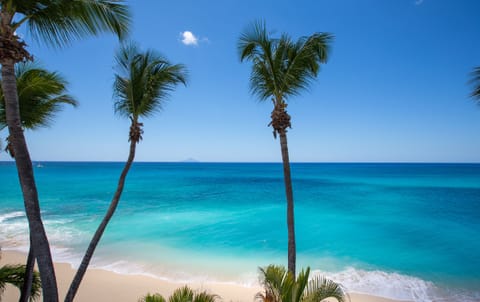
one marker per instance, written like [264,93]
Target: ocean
[402,231]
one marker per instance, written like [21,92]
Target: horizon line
[250,162]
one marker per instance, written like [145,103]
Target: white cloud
[188,38]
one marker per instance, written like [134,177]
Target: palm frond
[204,297]
[475,81]
[59,22]
[280,286]
[41,94]
[320,288]
[182,294]
[303,62]
[255,45]
[277,282]
[252,40]
[300,285]
[152,298]
[282,67]
[15,275]
[143,81]
[262,83]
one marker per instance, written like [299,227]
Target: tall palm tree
[41,94]
[475,80]
[282,68]
[182,294]
[55,22]
[141,86]
[281,286]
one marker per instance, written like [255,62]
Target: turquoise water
[405,231]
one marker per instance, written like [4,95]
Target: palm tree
[41,94]
[182,294]
[282,68]
[475,80]
[142,84]
[281,286]
[15,275]
[57,23]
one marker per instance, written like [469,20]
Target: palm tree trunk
[292,254]
[28,279]
[101,228]
[27,182]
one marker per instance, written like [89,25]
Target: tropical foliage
[142,84]
[56,23]
[15,275]
[281,69]
[41,94]
[182,294]
[281,286]
[475,80]
[152,298]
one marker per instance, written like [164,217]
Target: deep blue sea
[405,231]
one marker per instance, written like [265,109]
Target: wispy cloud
[188,38]
[418,2]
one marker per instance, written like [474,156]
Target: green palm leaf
[143,81]
[281,67]
[14,274]
[280,286]
[300,285]
[182,294]
[475,80]
[304,59]
[320,288]
[152,298]
[59,22]
[204,297]
[41,94]
[277,283]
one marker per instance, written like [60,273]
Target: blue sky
[394,90]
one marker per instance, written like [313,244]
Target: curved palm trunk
[28,279]
[27,182]
[101,228]
[292,254]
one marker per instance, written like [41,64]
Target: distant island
[190,160]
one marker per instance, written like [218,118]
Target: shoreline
[104,285]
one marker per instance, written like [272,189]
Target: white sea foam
[14,234]
[396,286]
[14,231]
[11,215]
[180,275]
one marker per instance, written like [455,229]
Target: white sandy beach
[102,285]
